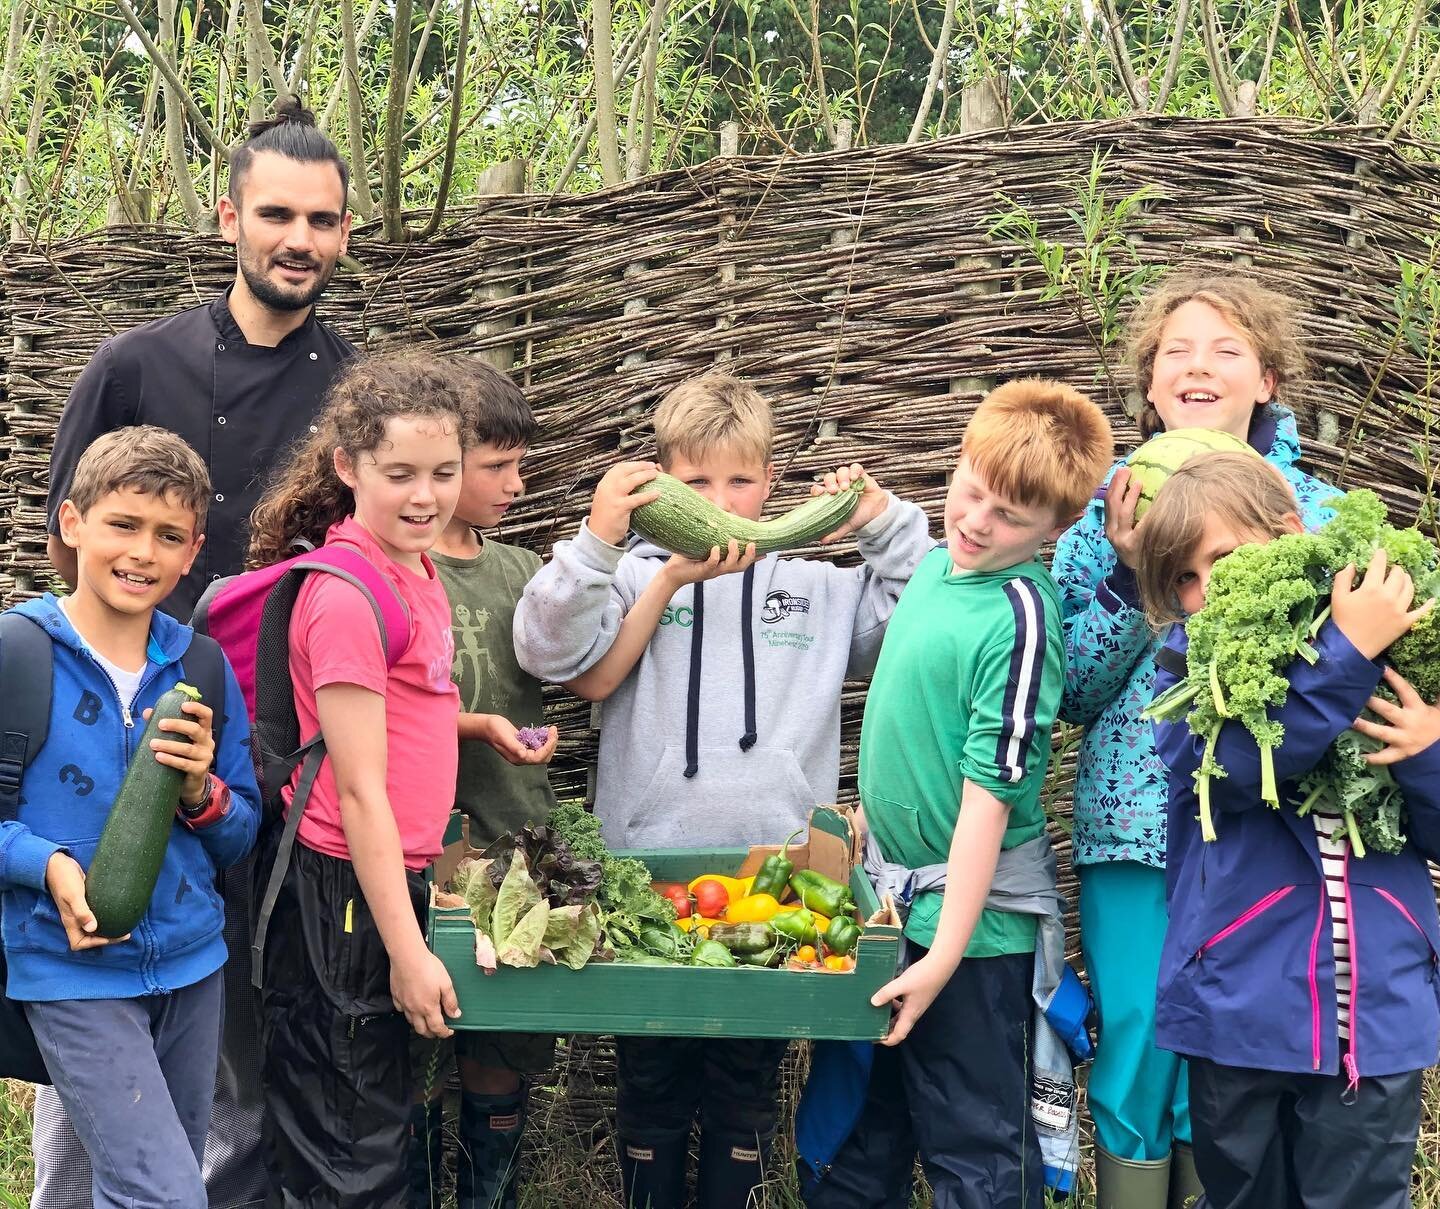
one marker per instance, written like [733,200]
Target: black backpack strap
[204,667]
[1168,659]
[313,755]
[26,670]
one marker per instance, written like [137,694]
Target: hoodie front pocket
[735,799]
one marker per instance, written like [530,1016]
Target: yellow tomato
[806,953]
[838,963]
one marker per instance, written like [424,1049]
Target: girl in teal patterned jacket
[1209,352]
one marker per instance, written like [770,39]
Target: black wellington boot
[653,1174]
[427,1155]
[488,1168]
[732,1169]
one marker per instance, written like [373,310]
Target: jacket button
[219,497]
[220,347]
[220,420]
[314,356]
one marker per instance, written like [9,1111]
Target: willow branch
[255,18]
[1120,53]
[167,73]
[362,198]
[413,77]
[452,135]
[937,69]
[1412,37]
[175,125]
[339,88]
[605,127]
[1219,68]
[391,200]
[1172,63]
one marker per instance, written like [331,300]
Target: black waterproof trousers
[336,1069]
[664,1083]
[1268,1140]
[957,1091]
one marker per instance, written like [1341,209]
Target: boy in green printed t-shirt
[501,785]
[953,753]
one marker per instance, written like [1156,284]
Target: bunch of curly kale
[1263,605]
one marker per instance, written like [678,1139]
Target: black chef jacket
[239,405]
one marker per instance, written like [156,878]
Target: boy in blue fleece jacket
[129,1027]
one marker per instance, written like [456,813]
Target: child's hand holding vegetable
[679,570]
[66,882]
[192,749]
[1406,729]
[1378,612]
[1121,497]
[516,745]
[610,510]
[873,500]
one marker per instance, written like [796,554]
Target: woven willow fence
[860,290]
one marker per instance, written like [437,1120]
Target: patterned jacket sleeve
[1106,634]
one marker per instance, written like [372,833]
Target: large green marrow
[685,522]
[132,847]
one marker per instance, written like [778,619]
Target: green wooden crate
[690,1001]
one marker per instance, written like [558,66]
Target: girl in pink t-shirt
[346,946]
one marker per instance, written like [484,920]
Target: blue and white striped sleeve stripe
[1022,685]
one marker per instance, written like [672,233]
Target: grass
[569,1160]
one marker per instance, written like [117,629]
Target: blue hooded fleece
[65,800]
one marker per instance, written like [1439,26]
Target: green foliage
[81,116]
[1097,271]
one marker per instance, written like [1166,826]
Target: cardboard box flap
[831,847]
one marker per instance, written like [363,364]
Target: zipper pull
[127,718]
[1352,1072]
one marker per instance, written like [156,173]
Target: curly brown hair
[307,496]
[1264,317]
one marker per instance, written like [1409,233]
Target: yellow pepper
[735,887]
[752,909]
[696,921]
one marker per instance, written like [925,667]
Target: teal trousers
[1139,1096]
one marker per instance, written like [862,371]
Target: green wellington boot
[1185,1187]
[1131,1183]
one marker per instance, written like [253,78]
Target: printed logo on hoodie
[779,604]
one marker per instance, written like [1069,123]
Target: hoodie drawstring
[692,697]
[747,658]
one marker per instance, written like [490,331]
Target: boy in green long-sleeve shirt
[953,754]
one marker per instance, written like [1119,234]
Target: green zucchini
[685,522]
[127,860]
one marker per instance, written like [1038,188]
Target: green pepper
[766,957]
[662,940]
[797,925]
[711,953]
[842,935]
[775,871]
[821,893]
[744,938]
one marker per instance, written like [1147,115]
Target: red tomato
[711,898]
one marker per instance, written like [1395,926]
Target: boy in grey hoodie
[721,725]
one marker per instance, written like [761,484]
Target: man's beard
[277,298]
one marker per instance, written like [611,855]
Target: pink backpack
[249,616]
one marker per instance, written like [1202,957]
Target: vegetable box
[682,1000]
